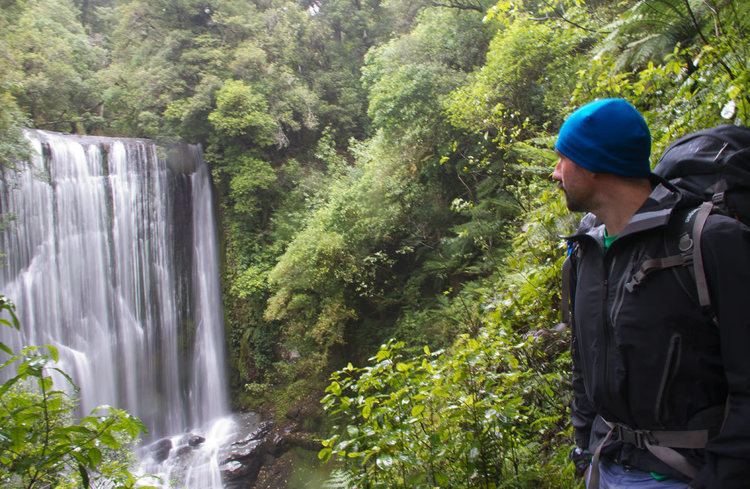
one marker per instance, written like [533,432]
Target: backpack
[712,166]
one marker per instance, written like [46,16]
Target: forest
[390,234]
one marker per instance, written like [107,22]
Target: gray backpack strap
[662,444]
[655,264]
[700,272]
[691,254]
[593,479]
[674,459]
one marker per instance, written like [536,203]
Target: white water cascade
[111,256]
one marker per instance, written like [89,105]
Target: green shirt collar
[608,240]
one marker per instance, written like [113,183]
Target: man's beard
[572,204]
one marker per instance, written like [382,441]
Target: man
[661,393]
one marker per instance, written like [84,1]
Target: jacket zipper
[606,330]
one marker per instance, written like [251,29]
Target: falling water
[111,256]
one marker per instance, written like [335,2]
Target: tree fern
[652,29]
[339,479]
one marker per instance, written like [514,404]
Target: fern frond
[339,479]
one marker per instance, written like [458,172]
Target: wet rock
[182,451]
[160,450]
[254,458]
[258,433]
[241,461]
[195,440]
[240,474]
[252,449]
[234,471]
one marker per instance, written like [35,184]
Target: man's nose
[556,176]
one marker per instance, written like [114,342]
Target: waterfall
[110,254]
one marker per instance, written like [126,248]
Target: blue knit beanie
[607,136]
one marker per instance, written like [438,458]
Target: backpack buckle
[635,281]
[637,438]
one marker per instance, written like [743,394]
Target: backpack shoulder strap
[691,233]
[701,283]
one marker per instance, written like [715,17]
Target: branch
[468,189]
[561,16]
[695,21]
[703,38]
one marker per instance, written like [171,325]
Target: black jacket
[652,359]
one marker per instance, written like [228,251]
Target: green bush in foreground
[42,444]
[470,419]
[491,411]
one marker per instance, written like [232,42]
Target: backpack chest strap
[654,264]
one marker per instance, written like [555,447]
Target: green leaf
[66,377]
[5,348]
[53,352]
[325,454]
[109,440]
[95,456]
[334,388]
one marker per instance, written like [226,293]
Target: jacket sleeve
[582,412]
[726,255]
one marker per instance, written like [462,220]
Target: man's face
[576,182]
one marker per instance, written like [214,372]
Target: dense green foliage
[42,444]
[383,172]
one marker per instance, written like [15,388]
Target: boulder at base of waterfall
[182,451]
[241,473]
[240,462]
[160,450]
[259,454]
[256,434]
[195,440]
[237,475]
[250,449]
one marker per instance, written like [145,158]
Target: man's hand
[581,458]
